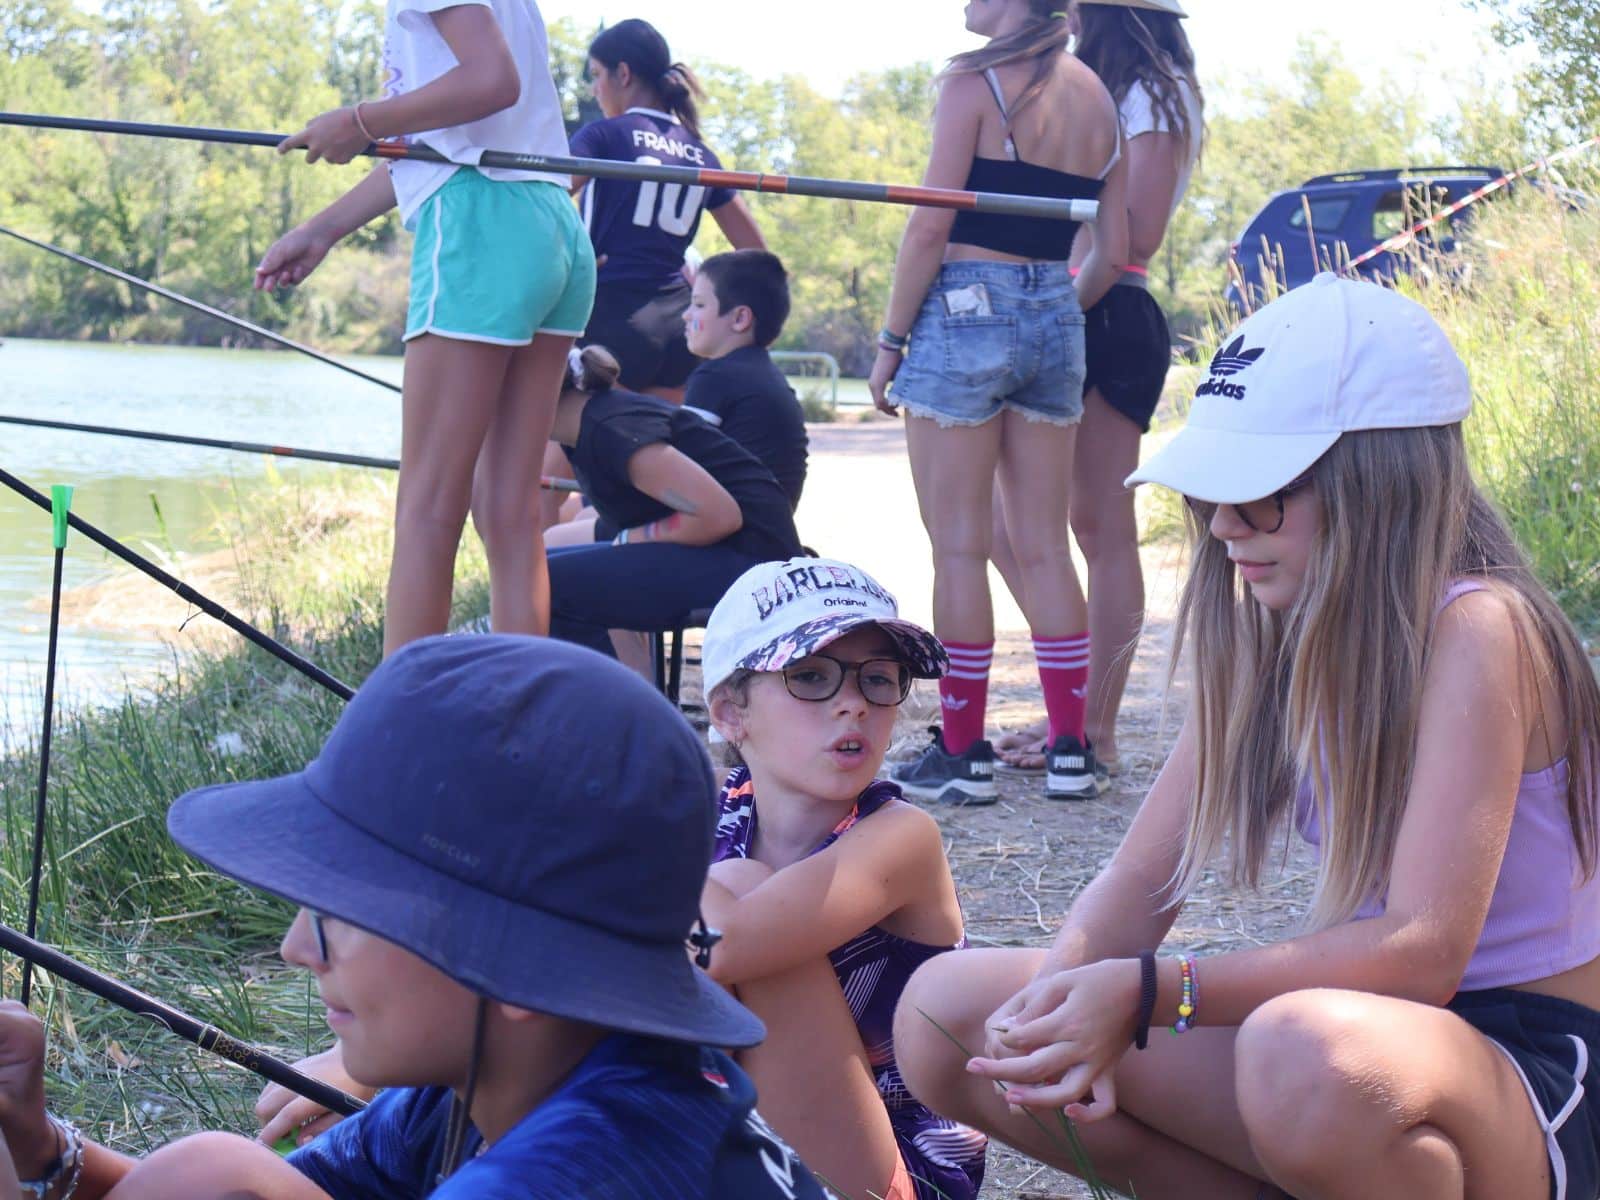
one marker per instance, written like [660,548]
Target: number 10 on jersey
[670,207]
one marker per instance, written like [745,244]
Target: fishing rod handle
[199,1033]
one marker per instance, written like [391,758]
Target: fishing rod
[60,506]
[550,483]
[189,302]
[197,1032]
[207,605]
[600,168]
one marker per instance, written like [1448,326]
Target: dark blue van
[1343,216]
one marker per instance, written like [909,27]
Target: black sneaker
[1071,772]
[965,779]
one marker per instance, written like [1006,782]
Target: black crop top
[1026,237]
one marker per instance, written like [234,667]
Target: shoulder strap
[1116,154]
[993,81]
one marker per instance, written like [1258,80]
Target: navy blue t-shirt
[644,229]
[749,399]
[639,1119]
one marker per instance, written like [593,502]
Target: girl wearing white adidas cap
[1376,671]
[828,887]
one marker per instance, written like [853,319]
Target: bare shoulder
[902,825]
[1480,626]
[963,93]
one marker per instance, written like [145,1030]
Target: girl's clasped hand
[1055,1044]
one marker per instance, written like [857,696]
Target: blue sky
[828,40]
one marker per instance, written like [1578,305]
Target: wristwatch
[60,1178]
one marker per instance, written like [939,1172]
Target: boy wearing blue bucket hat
[494,903]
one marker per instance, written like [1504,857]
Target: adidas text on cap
[1332,357]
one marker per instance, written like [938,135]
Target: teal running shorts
[499,261]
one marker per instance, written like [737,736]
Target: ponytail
[640,45]
[681,92]
[591,369]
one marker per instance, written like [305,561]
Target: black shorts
[1128,352]
[643,327]
[1555,1046]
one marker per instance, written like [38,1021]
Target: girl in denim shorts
[1139,50]
[984,343]
[502,281]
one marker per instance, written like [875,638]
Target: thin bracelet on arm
[360,124]
[1189,996]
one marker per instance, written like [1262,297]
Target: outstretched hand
[335,135]
[29,1136]
[1057,1042]
[290,259]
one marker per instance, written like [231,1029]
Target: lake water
[261,396]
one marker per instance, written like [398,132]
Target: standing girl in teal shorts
[502,281]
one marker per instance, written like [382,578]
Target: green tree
[1564,78]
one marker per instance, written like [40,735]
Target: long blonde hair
[1330,690]
[1041,39]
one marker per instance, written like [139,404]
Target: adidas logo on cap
[1228,362]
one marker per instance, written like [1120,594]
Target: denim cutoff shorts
[992,336]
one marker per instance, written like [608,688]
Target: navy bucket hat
[526,815]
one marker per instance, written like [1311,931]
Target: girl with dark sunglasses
[829,888]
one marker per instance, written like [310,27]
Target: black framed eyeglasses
[318,932]
[1264,515]
[885,682]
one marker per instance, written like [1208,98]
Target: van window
[1327,213]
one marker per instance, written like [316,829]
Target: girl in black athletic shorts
[1139,51]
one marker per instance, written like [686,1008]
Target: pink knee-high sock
[964,693]
[1064,676]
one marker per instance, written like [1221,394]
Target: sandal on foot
[1025,759]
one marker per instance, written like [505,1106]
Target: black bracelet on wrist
[1147,998]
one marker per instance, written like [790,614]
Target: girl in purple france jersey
[642,231]
[828,887]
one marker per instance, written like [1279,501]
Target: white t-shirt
[415,54]
[1140,115]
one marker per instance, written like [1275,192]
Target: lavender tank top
[944,1159]
[1543,917]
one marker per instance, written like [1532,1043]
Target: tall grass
[1523,309]
[121,896]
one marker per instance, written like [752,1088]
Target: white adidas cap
[777,613]
[1329,358]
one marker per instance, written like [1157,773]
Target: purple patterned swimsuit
[945,1160]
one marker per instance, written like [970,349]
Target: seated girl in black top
[682,510]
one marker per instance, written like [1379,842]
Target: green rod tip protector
[60,506]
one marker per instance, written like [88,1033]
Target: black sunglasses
[885,682]
[1264,515]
